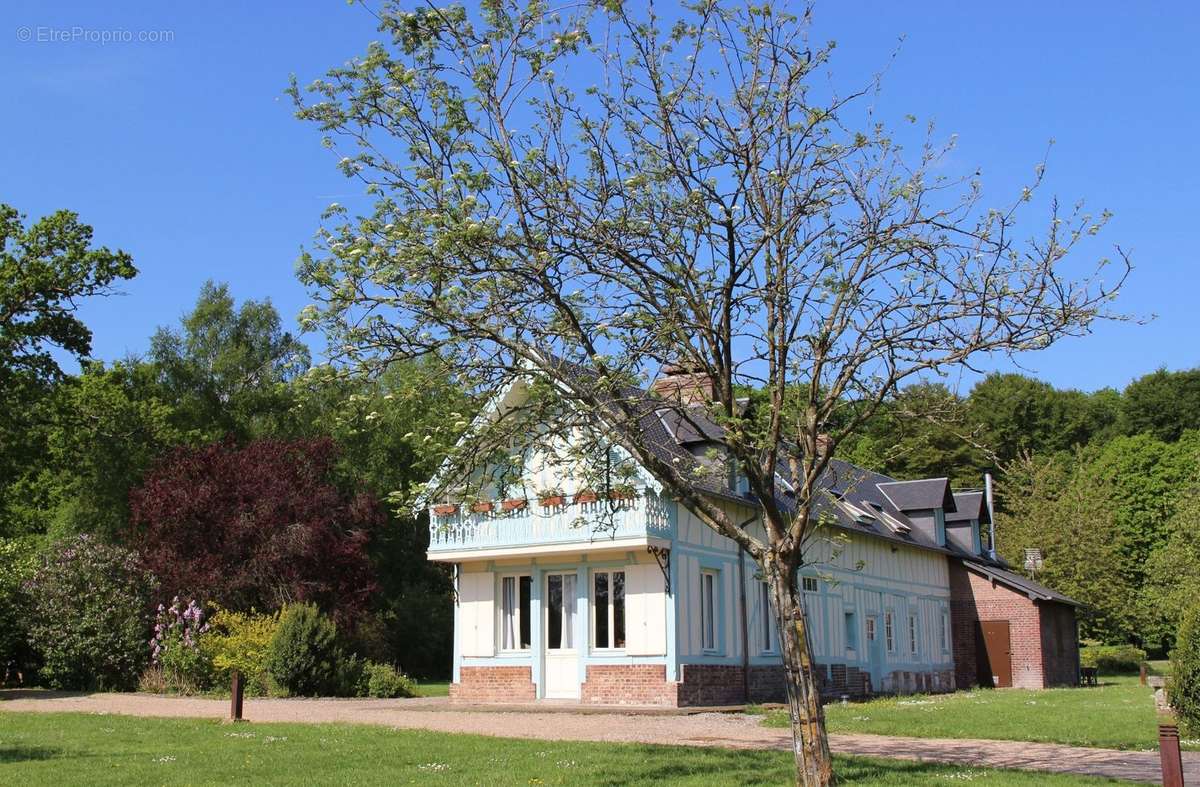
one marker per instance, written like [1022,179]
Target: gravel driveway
[730,730]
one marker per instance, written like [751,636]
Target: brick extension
[1042,634]
[628,684]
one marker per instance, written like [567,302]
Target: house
[628,598]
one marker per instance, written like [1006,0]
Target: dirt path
[705,729]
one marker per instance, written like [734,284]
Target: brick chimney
[684,384]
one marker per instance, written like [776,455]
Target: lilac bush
[89,615]
[175,646]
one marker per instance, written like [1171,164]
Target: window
[514,612]
[851,631]
[912,634]
[945,631]
[768,635]
[708,610]
[976,538]
[939,524]
[809,584]
[871,632]
[560,611]
[608,609]
[889,632]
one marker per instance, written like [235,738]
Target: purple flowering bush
[175,647]
[89,615]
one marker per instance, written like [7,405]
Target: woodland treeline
[244,475]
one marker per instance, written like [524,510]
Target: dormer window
[894,524]
[939,526]
[859,515]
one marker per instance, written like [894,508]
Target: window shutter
[645,611]
[477,613]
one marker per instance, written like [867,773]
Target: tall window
[809,584]
[889,631]
[608,609]
[945,631]
[912,634]
[851,631]
[768,634]
[514,612]
[708,610]
[871,633]
[560,611]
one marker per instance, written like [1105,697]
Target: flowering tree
[259,526]
[580,195]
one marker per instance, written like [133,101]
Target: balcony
[640,520]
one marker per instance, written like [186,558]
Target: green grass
[1118,714]
[61,748]
[433,689]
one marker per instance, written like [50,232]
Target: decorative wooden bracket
[662,556]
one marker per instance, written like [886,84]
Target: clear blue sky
[185,153]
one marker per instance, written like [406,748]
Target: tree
[581,196]
[256,527]
[1163,404]
[228,368]
[46,269]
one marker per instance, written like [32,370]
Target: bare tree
[580,195]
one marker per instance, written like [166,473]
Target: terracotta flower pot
[622,494]
[550,501]
[514,504]
[482,507]
[445,510]
[586,497]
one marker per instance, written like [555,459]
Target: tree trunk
[810,745]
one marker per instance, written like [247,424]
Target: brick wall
[1034,631]
[711,684]
[494,684]
[1060,645]
[628,684]
[767,683]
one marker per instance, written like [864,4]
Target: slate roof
[1019,583]
[919,494]
[968,504]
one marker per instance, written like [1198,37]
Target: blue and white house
[631,599]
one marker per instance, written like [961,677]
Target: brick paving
[565,721]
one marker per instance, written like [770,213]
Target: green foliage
[1173,570]
[1183,687]
[227,369]
[1163,404]
[90,616]
[1112,659]
[18,561]
[304,652]
[385,681]
[241,642]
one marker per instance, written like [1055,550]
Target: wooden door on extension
[994,651]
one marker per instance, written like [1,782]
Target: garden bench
[1088,676]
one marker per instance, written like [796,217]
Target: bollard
[235,700]
[1168,752]
[1142,673]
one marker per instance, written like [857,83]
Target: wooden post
[1142,673]
[237,691]
[1168,752]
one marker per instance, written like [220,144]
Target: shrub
[304,652]
[384,680]
[18,561]
[1183,688]
[1112,658]
[175,647]
[90,615]
[240,641]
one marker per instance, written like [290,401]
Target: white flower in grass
[165,758]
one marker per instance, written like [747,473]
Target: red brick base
[494,684]
[629,684]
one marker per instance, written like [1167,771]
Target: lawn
[1118,714]
[433,689]
[61,748]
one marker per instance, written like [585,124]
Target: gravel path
[731,730]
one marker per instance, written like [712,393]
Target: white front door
[562,651]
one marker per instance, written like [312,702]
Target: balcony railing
[646,515]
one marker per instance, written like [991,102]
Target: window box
[622,493]
[552,501]
[586,496]
[514,504]
[445,510]
[483,507]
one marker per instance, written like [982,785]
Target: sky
[174,140]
